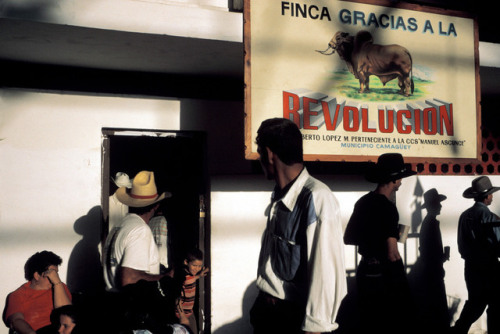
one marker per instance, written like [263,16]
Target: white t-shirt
[117,211]
[130,245]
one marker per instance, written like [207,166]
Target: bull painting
[364,58]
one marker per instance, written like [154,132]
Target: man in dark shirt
[479,245]
[382,286]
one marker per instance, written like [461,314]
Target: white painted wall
[50,168]
[50,159]
[50,172]
[238,222]
[207,19]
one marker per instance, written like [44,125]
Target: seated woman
[29,307]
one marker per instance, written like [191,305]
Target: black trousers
[384,298]
[271,315]
[482,280]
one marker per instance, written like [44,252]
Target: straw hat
[389,167]
[143,191]
[480,186]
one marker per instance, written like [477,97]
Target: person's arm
[392,249]
[202,273]
[326,267]
[61,297]
[183,319]
[131,276]
[17,323]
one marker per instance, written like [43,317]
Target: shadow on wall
[433,308]
[36,10]
[242,325]
[84,265]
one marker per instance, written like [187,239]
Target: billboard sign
[361,79]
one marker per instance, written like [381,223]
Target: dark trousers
[384,298]
[482,280]
[272,315]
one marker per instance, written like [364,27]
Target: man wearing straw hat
[478,244]
[131,253]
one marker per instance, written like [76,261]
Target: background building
[71,68]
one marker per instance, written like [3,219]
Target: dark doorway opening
[179,162]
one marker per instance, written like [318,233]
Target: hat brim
[470,193]
[122,194]
[375,175]
[439,199]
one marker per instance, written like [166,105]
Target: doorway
[179,162]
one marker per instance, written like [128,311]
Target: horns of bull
[325,52]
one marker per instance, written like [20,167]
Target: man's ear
[37,276]
[270,155]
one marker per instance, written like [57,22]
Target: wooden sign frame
[436,120]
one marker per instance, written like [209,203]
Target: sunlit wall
[50,170]
[238,222]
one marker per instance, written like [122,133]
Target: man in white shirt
[130,253]
[301,273]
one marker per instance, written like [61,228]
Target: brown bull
[364,58]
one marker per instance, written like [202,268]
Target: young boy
[193,270]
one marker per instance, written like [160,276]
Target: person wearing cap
[479,245]
[130,251]
[383,291]
[301,272]
[117,210]
[430,291]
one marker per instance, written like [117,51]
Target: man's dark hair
[283,138]
[141,210]
[40,262]
[194,254]
[480,198]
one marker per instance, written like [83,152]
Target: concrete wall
[50,154]
[50,178]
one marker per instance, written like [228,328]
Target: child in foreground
[193,270]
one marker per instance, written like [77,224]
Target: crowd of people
[142,294]
[301,274]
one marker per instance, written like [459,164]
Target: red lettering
[348,112]
[446,119]
[389,127]
[330,126]
[308,113]
[291,112]
[399,121]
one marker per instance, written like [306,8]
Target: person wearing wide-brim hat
[480,187]
[143,191]
[131,253]
[374,228]
[433,199]
[428,272]
[389,167]
[479,245]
